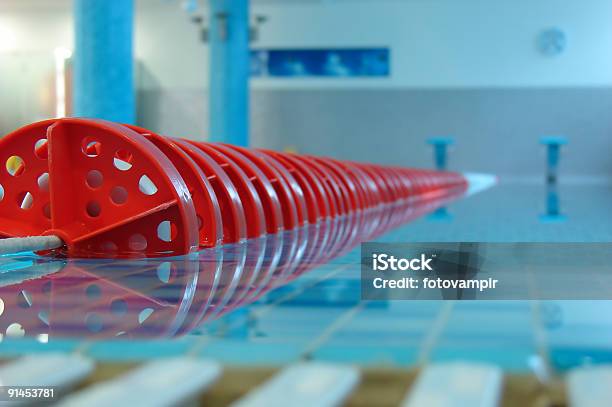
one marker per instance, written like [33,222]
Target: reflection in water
[553,146]
[147,298]
[553,204]
[441,214]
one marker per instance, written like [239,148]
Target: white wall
[168,46]
[26,31]
[435,43]
[27,64]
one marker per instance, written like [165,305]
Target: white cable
[29,244]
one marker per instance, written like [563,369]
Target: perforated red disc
[208,213]
[294,186]
[353,199]
[270,200]
[393,184]
[314,194]
[406,187]
[382,185]
[101,187]
[251,202]
[24,200]
[232,212]
[374,196]
[283,189]
[337,198]
[362,184]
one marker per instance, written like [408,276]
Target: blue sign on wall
[337,62]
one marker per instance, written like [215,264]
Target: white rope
[29,244]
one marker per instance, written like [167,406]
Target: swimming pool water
[320,316]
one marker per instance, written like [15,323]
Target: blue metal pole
[440,156]
[103,60]
[553,144]
[440,145]
[229,71]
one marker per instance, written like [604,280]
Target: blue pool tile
[509,358]
[251,353]
[140,349]
[368,355]
[17,347]
[566,358]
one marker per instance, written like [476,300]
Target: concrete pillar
[104,60]
[229,71]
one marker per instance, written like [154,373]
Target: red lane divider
[316,206]
[269,198]
[111,190]
[205,201]
[277,180]
[251,202]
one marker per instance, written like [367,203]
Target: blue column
[553,144]
[103,60]
[440,145]
[229,71]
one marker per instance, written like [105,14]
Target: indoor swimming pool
[262,203]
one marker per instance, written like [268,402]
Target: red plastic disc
[205,201]
[251,202]
[387,183]
[329,196]
[267,194]
[338,199]
[416,179]
[382,185]
[24,201]
[294,186]
[367,196]
[283,190]
[375,195]
[317,195]
[315,204]
[101,187]
[232,212]
[394,181]
[406,185]
[353,198]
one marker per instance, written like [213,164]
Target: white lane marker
[161,383]
[60,371]
[590,386]
[456,385]
[304,385]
